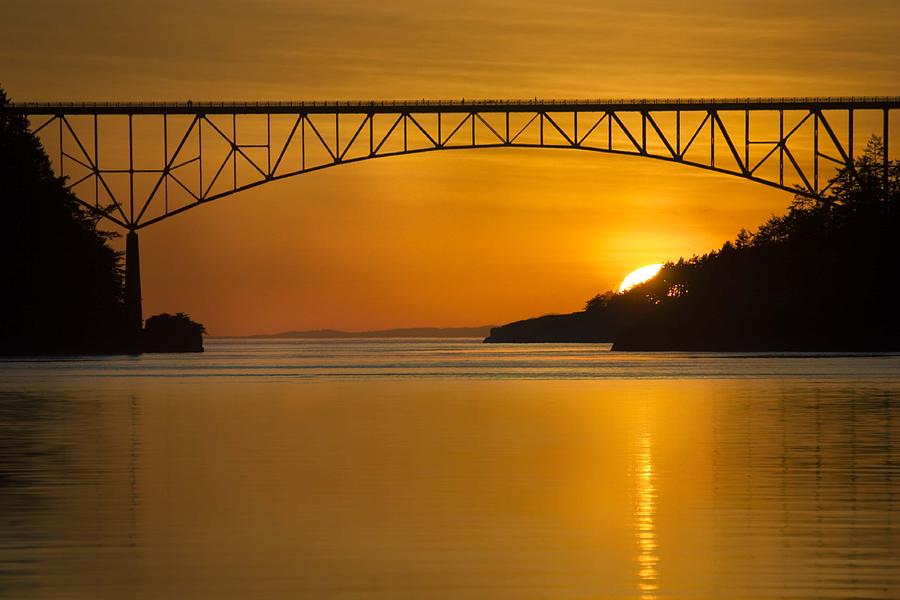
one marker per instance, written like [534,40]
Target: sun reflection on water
[645,518]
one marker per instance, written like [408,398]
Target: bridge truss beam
[191,154]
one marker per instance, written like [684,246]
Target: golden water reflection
[212,485]
[645,517]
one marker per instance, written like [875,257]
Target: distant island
[824,277]
[578,327]
[172,333]
[407,332]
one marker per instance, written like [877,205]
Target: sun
[639,276]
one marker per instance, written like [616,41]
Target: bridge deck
[451,106]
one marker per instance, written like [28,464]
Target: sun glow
[645,519]
[639,276]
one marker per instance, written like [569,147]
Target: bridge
[139,163]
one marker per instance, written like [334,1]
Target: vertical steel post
[609,130]
[575,119]
[62,165]
[678,133]
[131,171]
[781,147]
[643,132]
[712,140]
[200,153]
[747,140]
[885,142]
[816,151]
[234,146]
[166,162]
[507,126]
[96,165]
[850,135]
[542,129]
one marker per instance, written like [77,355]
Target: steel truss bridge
[136,164]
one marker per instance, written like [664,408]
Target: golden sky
[442,239]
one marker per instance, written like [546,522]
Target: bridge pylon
[133,308]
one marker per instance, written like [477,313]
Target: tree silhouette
[61,281]
[172,333]
[822,277]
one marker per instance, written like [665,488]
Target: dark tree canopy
[173,333]
[61,281]
[821,277]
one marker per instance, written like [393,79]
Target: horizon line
[351,332]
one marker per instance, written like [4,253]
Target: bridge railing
[462,102]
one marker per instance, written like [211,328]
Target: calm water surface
[449,469]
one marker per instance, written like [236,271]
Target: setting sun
[639,276]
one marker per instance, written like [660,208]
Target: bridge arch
[792,144]
[794,189]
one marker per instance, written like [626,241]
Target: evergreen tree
[821,277]
[61,281]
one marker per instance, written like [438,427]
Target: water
[449,469]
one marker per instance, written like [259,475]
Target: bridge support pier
[133,310]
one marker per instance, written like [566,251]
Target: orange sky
[457,238]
